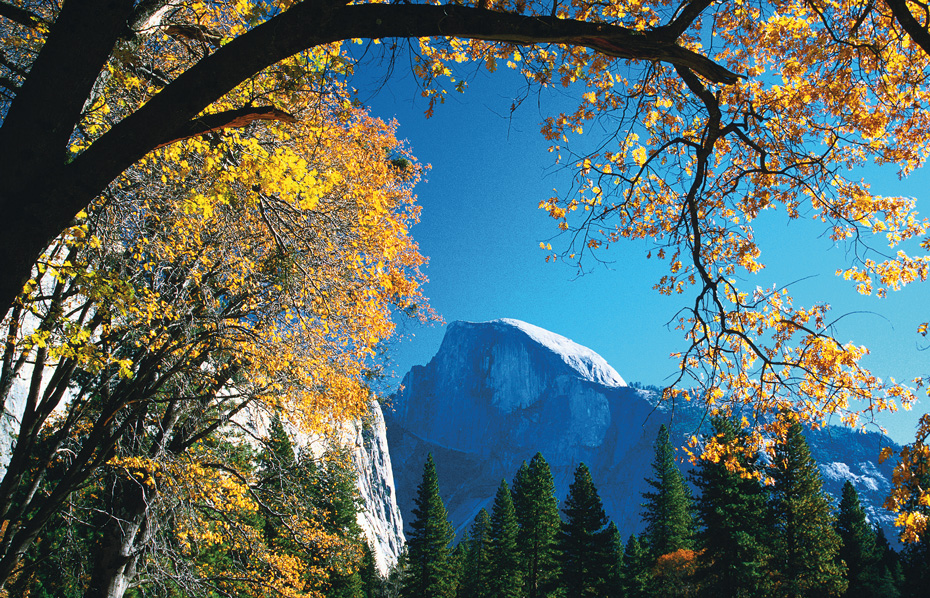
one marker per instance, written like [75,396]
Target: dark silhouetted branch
[19,15]
[231,119]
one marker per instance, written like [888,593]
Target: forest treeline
[773,533]
[743,527]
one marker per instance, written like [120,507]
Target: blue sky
[481,229]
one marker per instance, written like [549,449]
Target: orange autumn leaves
[294,236]
[824,89]
[293,261]
[827,86]
[249,289]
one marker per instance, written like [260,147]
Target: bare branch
[689,12]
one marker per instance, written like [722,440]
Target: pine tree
[667,514]
[916,565]
[731,510]
[520,479]
[368,572]
[615,565]
[889,562]
[339,504]
[583,539]
[635,570]
[538,517]
[458,558]
[857,547]
[477,567]
[805,543]
[339,499]
[346,585]
[429,569]
[518,496]
[506,578]
[393,584]
[276,463]
[277,451]
[280,478]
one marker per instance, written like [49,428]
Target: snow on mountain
[588,363]
[497,392]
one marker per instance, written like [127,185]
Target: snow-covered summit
[586,362]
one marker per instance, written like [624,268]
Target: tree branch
[689,12]
[230,119]
[42,118]
[196,33]
[314,23]
[914,29]
[475,23]
[9,84]
[148,13]
[19,15]
[41,194]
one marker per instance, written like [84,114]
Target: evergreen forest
[737,527]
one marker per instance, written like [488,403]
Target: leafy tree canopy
[253,274]
[715,113]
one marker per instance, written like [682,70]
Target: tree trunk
[125,534]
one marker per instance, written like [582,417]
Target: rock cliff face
[380,518]
[498,392]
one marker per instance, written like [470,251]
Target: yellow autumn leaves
[828,86]
[226,275]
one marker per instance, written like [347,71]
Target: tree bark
[916,31]
[36,130]
[125,531]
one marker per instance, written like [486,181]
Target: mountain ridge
[495,394]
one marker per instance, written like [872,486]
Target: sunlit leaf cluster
[229,274]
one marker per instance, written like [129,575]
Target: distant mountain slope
[497,392]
